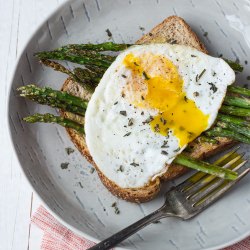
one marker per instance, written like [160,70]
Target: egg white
[131,156]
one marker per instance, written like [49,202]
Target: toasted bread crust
[171,29]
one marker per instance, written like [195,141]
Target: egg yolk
[155,83]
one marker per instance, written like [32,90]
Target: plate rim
[10,136]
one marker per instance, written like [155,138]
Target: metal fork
[187,199]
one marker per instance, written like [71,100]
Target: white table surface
[18,20]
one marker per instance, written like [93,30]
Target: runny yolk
[155,83]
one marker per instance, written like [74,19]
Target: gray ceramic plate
[75,195]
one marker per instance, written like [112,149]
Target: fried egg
[151,102]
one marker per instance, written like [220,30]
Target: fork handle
[128,231]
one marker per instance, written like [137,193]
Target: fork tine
[207,179]
[206,190]
[208,200]
[199,175]
[224,157]
[200,179]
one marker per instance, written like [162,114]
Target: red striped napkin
[58,237]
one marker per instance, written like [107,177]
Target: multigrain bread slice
[173,30]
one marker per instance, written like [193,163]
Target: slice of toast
[173,30]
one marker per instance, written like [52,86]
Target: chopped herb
[193,56]
[109,33]
[248,78]
[142,97]
[176,150]
[121,169]
[64,165]
[128,134]
[205,34]
[186,99]
[246,62]
[157,128]
[141,28]
[198,77]
[214,73]
[136,64]
[196,94]
[164,152]
[80,184]
[165,144]
[123,112]
[92,170]
[145,75]
[115,103]
[130,122]
[148,120]
[213,87]
[142,113]
[114,205]
[134,164]
[69,150]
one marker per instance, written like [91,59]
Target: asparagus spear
[236,128]
[234,65]
[241,102]
[107,46]
[235,111]
[239,90]
[31,91]
[92,54]
[59,67]
[217,131]
[233,120]
[203,138]
[60,55]
[187,161]
[99,71]
[88,76]
[49,118]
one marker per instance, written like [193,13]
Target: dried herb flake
[69,150]
[123,112]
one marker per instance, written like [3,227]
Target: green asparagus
[54,98]
[60,55]
[221,132]
[241,102]
[233,120]
[87,76]
[235,111]
[239,90]
[234,65]
[108,46]
[236,128]
[59,67]
[187,161]
[49,118]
